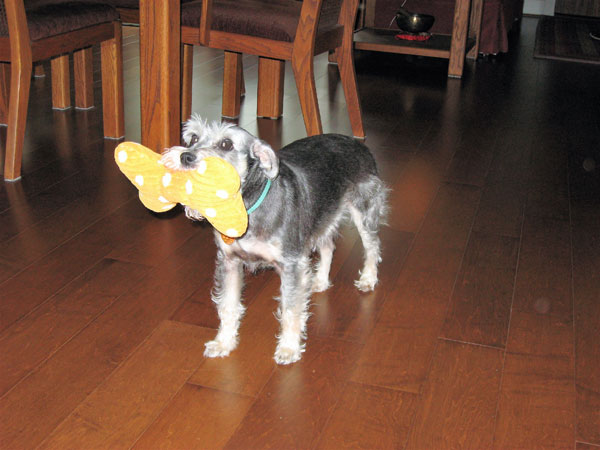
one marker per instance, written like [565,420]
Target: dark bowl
[414,22]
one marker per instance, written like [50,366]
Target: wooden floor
[484,330]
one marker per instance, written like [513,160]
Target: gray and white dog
[297,198]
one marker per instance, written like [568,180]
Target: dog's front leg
[293,310]
[227,295]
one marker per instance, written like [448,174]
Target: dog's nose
[187,158]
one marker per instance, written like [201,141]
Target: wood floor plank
[34,338]
[197,417]
[391,165]
[295,405]
[586,446]
[248,368]
[472,160]
[199,309]
[512,153]
[480,306]
[536,404]
[459,399]
[400,347]
[156,240]
[43,173]
[543,282]
[118,411]
[86,195]
[369,417]
[505,193]
[413,193]
[586,292]
[416,187]
[537,396]
[501,209]
[141,247]
[548,193]
[343,311]
[40,402]
[40,280]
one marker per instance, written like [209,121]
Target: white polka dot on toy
[210,212]
[163,200]
[139,180]
[201,167]
[232,232]
[166,179]
[122,156]
[189,187]
[222,193]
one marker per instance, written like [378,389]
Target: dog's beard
[193,214]
[171,158]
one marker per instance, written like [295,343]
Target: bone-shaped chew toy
[213,188]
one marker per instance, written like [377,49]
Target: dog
[297,198]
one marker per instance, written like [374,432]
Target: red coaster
[413,36]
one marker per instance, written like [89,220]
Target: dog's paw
[215,349]
[320,285]
[287,355]
[366,282]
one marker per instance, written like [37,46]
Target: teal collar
[261,198]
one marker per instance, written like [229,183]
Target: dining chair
[32,31]
[276,31]
[129,13]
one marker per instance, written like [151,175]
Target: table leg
[160,61]
[271,73]
[459,38]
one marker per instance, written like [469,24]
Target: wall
[539,7]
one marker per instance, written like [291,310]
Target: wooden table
[160,73]
[452,47]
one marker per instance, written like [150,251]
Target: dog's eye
[194,140]
[226,144]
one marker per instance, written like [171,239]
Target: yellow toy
[213,188]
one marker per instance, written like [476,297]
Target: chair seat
[275,20]
[132,4]
[54,19]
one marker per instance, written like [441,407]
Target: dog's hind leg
[367,209]
[293,310]
[321,279]
[325,245]
[227,295]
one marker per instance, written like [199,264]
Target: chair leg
[304,75]
[111,58]
[187,75]
[345,60]
[20,79]
[232,85]
[38,71]
[61,95]
[4,92]
[84,78]
[271,73]
[242,83]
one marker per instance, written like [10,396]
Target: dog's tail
[372,201]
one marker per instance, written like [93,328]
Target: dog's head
[227,141]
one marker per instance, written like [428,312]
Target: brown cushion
[330,12]
[132,4]
[276,20]
[47,18]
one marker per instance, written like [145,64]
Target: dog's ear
[268,160]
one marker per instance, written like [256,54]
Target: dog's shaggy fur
[316,183]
